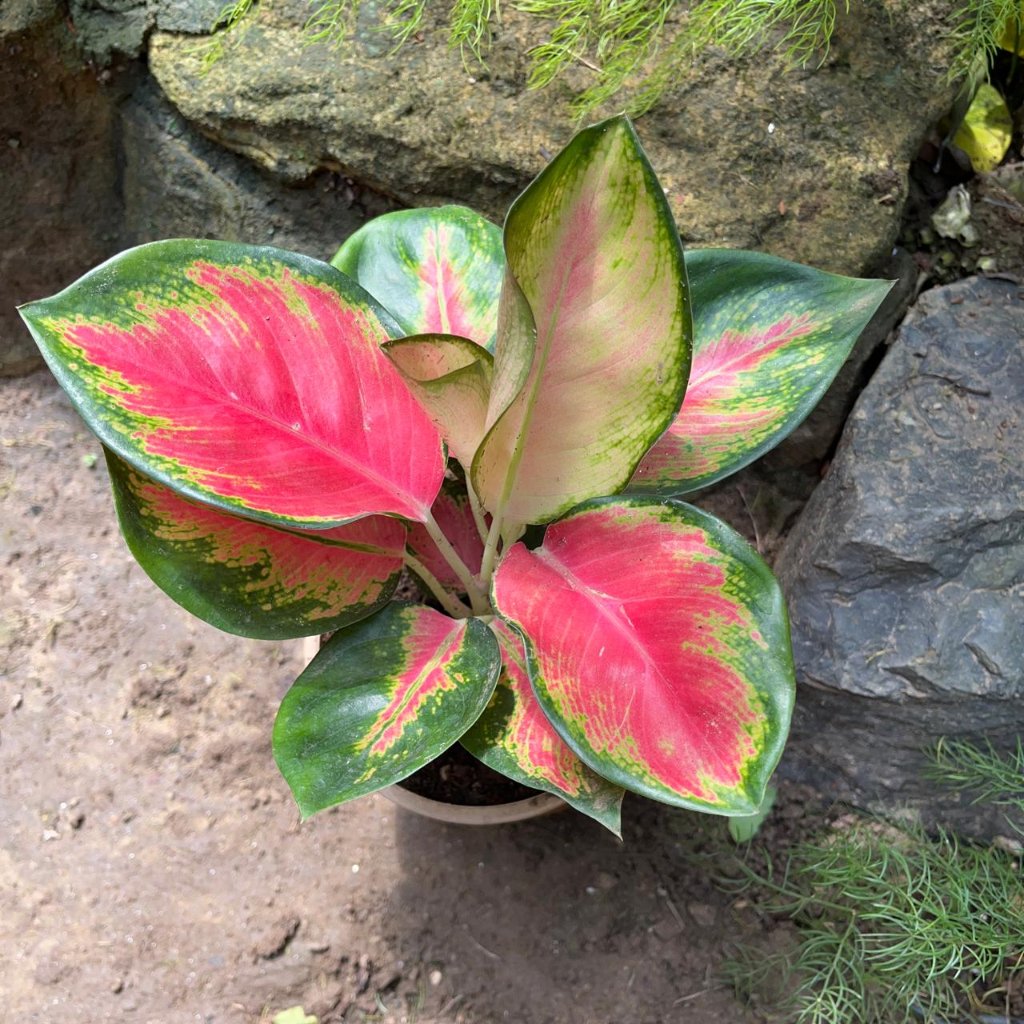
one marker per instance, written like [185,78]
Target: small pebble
[16,701]
[1008,845]
[702,913]
[436,977]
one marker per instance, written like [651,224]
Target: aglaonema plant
[285,437]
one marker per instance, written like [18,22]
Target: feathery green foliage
[978,27]
[335,21]
[800,29]
[803,28]
[231,16]
[613,39]
[994,779]
[894,925]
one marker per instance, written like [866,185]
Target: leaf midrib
[261,415]
[395,714]
[600,599]
[709,375]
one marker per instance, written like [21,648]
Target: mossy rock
[810,165]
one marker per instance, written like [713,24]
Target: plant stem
[511,534]
[477,597]
[490,551]
[477,509]
[451,604]
[505,537]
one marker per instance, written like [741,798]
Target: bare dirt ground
[153,867]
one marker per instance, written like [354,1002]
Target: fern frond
[978,27]
[895,925]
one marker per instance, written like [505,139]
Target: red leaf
[249,379]
[659,648]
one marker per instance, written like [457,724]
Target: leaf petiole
[477,508]
[477,597]
[490,551]
[449,602]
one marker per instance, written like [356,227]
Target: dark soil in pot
[457,777]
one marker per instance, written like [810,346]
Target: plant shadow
[556,920]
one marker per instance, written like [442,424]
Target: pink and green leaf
[514,737]
[438,271]
[246,378]
[602,343]
[658,646]
[250,578]
[453,514]
[769,337]
[451,379]
[513,358]
[382,699]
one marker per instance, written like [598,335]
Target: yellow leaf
[293,1015]
[1012,38]
[986,130]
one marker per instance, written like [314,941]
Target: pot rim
[457,814]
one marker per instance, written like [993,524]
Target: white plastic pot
[457,814]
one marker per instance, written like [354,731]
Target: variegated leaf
[596,360]
[514,737]
[769,337]
[451,379]
[438,271]
[250,578]
[247,378]
[658,646]
[382,699]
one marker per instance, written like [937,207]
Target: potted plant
[512,416]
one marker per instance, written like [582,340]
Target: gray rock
[176,184]
[110,29]
[905,572]
[193,16]
[18,16]
[811,165]
[107,29]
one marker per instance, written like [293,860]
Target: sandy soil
[153,867]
